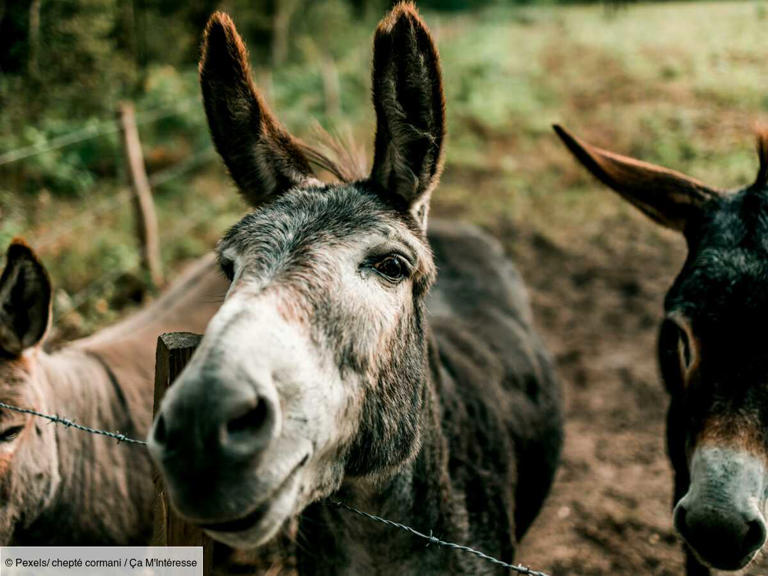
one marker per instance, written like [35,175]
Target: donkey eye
[11,433]
[394,268]
[678,353]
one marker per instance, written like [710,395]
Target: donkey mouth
[241,524]
[266,516]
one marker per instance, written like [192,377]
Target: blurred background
[679,84]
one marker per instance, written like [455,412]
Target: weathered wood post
[146,219]
[173,352]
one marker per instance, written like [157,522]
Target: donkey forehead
[725,278]
[308,221]
[724,294]
[740,220]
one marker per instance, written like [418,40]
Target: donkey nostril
[251,421]
[755,537]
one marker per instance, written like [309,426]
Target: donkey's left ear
[410,110]
[25,300]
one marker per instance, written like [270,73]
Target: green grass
[676,84]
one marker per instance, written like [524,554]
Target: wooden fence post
[146,220]
[173,352]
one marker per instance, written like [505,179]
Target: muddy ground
[598,303]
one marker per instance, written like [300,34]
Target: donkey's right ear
[668,197]
[25,300]
[262,157]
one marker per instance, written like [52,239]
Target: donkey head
[313,371]
[713,360]
[28,461]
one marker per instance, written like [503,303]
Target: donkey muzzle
[208,434]
[721,517]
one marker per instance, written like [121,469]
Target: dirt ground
[597,304]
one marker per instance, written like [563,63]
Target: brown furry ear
[668,197]
[262,157]
[410,109]
[25,300]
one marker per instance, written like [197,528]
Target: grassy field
[678,84]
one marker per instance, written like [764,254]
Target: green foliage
[81,68]
[675,84]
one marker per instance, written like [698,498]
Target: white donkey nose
[226,423]
[223,415]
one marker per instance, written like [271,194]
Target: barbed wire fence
[430,538]
[124,195]
[101,128]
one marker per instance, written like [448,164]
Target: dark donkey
[711,351]
[326,372]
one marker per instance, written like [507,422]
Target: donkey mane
[338,155]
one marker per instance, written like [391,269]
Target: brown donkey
[711,351]
[332,371]
[61,486]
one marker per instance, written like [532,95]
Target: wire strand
[102,128]
[68,423]
[431,539]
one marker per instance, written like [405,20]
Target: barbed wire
[430,538]
[101,128]
[69,423]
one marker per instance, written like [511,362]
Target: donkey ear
[410,109]
[262,157]
[762,154]
[25,300]
[668,197]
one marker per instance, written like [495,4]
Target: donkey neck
[102,496]
[420,495]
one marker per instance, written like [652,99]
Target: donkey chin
[243,507]
[722,516]
[263,522]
